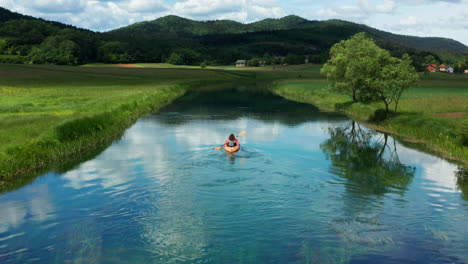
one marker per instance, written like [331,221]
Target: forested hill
[7,15]
[186,27]
[182,27]
[291,39]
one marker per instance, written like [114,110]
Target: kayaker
[231,141]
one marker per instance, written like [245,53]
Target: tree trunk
[396,105]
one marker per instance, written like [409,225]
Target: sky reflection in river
[298,191]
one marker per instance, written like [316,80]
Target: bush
[343,106]
[13,59]
[379,115]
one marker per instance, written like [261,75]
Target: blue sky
[443,18]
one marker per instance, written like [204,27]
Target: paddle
[240,134]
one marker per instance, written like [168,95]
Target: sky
[426,18]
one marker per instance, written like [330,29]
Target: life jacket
[231,143]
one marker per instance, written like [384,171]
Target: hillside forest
[180,41]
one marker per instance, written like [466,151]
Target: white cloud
[206,7]
[245,10]
[360,11]
[410,21]
[342,12]
[145,6]
[386,7]
[56,6]
[39,208]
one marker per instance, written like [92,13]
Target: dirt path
[451,115]
[128,65]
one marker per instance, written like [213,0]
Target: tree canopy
[366,73]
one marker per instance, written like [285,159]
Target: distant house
[262,63]
[241,63]
[431,68]
[449,69]
[442,68]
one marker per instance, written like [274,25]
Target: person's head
[232,137]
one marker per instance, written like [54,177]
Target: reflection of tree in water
[462,181]
[372,164]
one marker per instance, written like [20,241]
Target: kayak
[231,149]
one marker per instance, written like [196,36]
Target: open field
[308,67]
[50,114]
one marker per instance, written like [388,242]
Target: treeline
[175,40]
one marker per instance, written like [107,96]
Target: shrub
[13,59]
[379,115]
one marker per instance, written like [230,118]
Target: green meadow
[52,114]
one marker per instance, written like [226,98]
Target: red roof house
[431,68]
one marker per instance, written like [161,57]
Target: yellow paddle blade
[241,133]
[218,148]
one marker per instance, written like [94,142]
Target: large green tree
[353,64]
[367,73]
[397,76]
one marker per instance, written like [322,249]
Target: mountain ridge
[284,23]
[178,40]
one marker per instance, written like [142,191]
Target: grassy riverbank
[51,114]
[434,113]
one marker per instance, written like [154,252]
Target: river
[306,187]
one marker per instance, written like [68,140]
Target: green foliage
[461,65]
[175,59]
[254,62]
[366,73]
[353,65]
[393,79]
[184,57]
[113,52]
[13,59]
[294,59]
[379,115]
[430,59]
[55,50]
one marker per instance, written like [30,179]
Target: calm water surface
[306,187]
